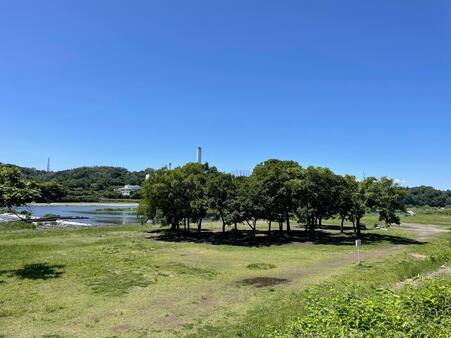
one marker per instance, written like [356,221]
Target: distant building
[128,189]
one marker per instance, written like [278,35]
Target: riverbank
[88,204]
[57,224]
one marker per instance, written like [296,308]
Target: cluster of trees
[84,184]
[427,196]
[276,191]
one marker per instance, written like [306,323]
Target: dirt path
[423,231]
[443,270]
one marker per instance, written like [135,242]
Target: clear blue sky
[357,86]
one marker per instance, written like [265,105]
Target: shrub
[420,311]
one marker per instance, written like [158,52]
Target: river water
[96,213]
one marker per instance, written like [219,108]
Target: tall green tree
[389,200]
[15,190]
[364,199]
[317,195]
[179,195]
[348,186]
[221,192]
[272,183]
[195,182]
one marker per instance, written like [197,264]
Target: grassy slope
[113,281]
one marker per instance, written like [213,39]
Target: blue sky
[357,86]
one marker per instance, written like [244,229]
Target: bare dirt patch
[260,282]
[121,328]
[418,256]
[424,231]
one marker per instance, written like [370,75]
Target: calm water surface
[93,212]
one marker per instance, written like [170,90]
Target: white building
[128,189]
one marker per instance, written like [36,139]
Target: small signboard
[358,242]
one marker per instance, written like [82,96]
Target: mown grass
[115,281]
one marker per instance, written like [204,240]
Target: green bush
[421,311]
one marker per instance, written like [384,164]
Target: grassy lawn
[121,281]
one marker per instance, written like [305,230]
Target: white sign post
[358,243]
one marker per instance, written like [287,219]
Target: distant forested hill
[87,183]
[424,195]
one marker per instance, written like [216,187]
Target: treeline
[90,184]
[276,192]
[84,184]
[427,196]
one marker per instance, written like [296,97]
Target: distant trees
[276,192]
[51,192]
[424,195]
[86,183]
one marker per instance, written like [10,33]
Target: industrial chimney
[199,155]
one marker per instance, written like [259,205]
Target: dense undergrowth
[418,311]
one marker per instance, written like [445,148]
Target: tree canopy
[276,191]
[15,190]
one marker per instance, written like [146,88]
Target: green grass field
[129,281]
[424,215]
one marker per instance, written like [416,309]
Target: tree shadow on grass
[261,238]
[36,271]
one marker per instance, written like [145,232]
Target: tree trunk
[341,227]
[187,224]
[312,228]
[199,225]
[353,225]
[287,219]
[223,223]
[269,227]
[320,221]
[236,229]
[358,228]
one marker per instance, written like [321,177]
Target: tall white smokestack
[199,155]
